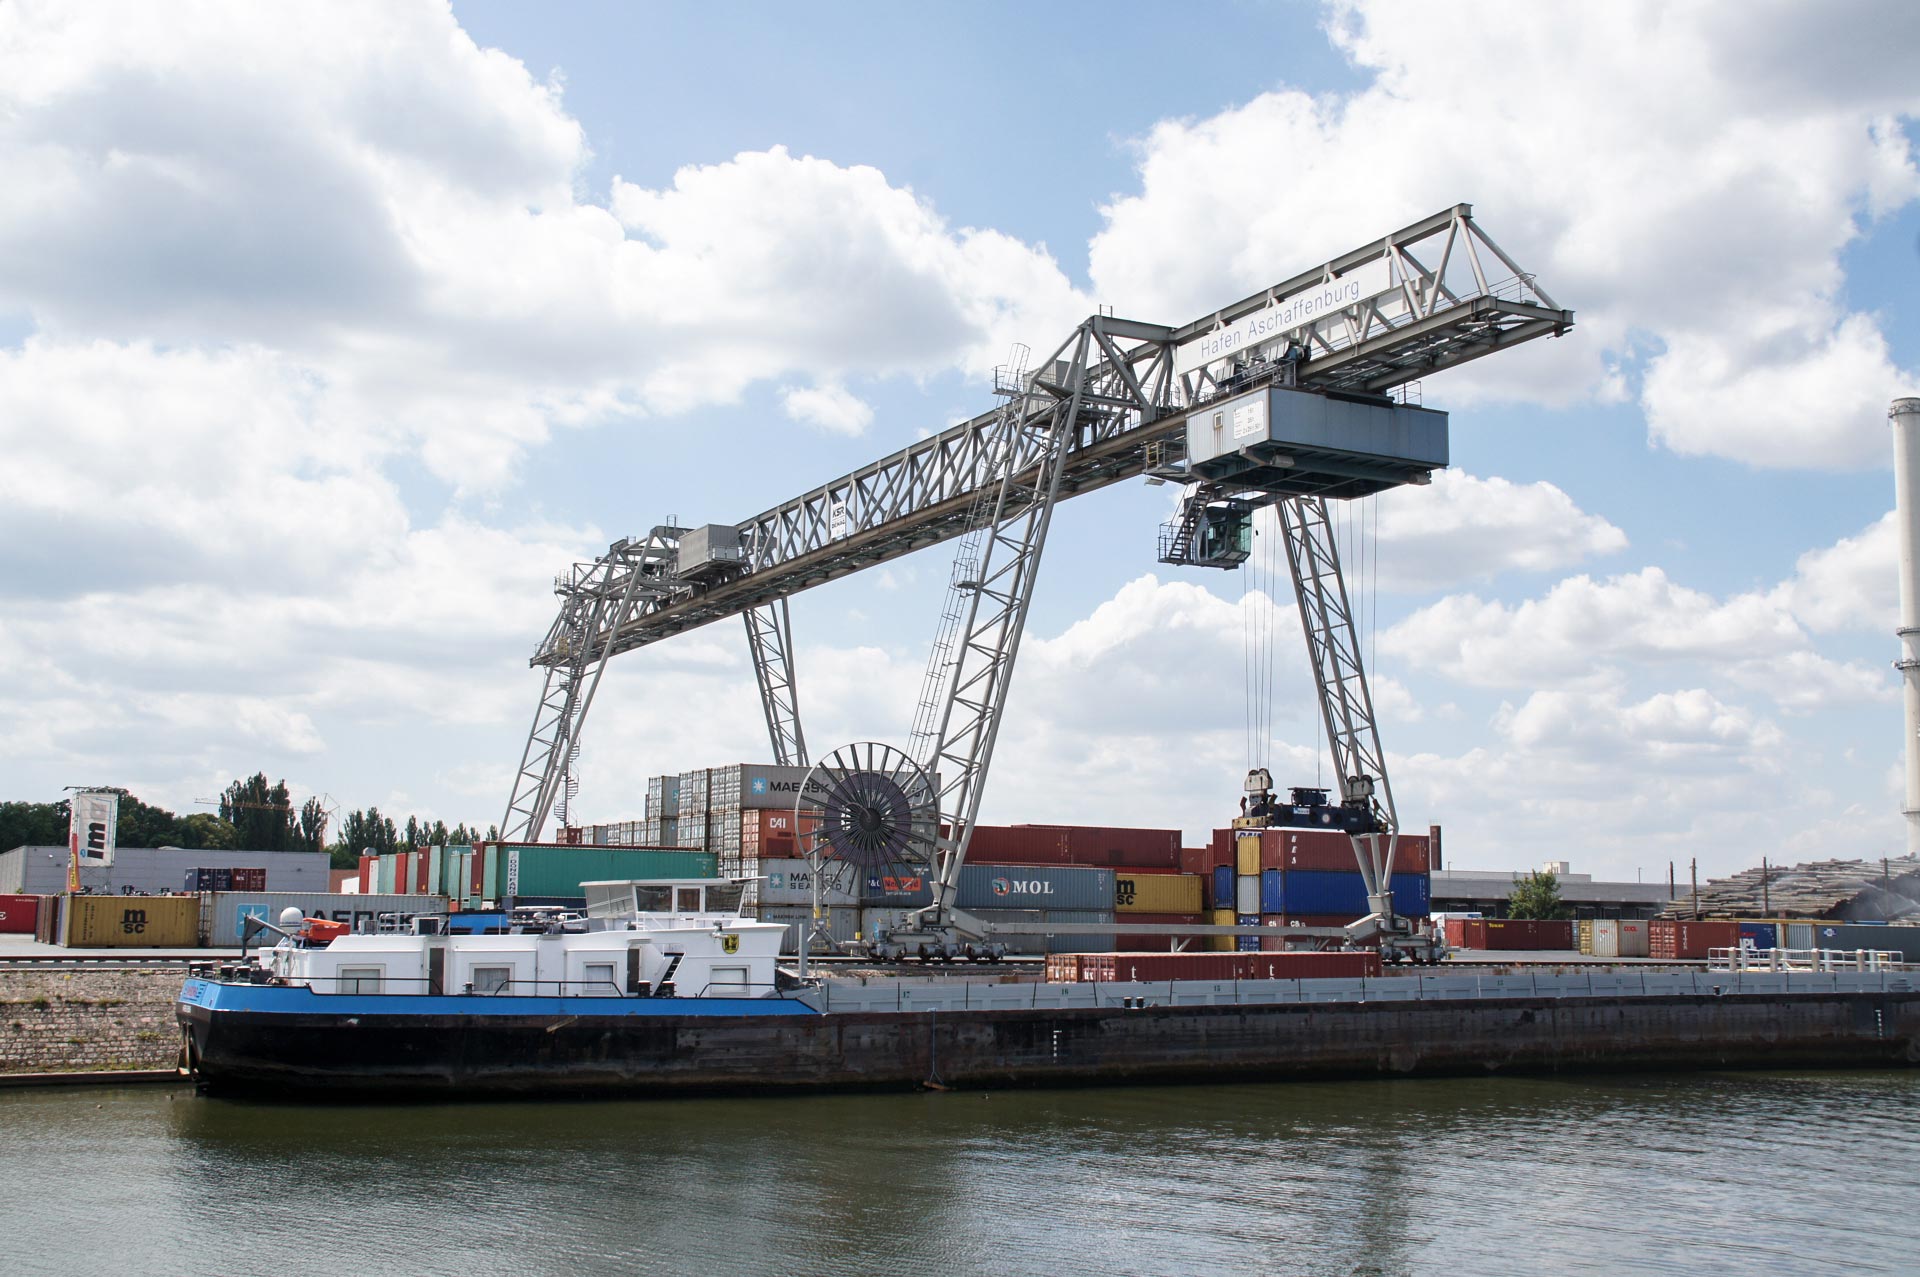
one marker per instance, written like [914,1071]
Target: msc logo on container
[1021,887]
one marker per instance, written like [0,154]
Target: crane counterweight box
[711,550]
[1303,443]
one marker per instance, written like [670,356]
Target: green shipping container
[559,871]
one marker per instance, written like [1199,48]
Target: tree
[262,813]
[312,832]
[33,825]
[205,830]
[1537,896]
[364,831]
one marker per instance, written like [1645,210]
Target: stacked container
[1676,939]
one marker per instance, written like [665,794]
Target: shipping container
[1853,937]
[1320,891]
[1317,849]
[791,882]
[1157,893]
[1148,942]
[1221,894]
[47,926]
[842,922]
[130,922]
[1618,938]
[1246,944]
[19,914]
[1760,935]
[1510,934]
[1686,939]
[1246,895]
[897,887]
[997,886]
[1246,854]
[1196,860]
[227,911]
[1223,918]
[556,872]
[1227,966]
[1063,968]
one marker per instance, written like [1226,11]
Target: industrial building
[1486,892]
[42,871]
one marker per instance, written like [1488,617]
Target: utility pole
[1693,871]
[1766,900]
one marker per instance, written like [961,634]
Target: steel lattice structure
[1110,404]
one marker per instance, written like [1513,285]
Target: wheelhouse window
[492,979]
[725,897]
[359,980]
[653,899]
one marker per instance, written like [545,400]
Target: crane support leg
[770,639]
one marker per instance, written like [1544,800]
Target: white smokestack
[1905,415]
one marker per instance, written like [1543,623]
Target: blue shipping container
[1247,944]
[1222,888]
[1035,887]
[1323,891]
[1759,935]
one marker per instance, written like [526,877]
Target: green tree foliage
[1537,896]
[311,833]
[365,831]
[262,813]
[205,830]
[33,825]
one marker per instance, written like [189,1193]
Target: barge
[664,988]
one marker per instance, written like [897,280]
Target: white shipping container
[221,923]
[790,882]
[1246,894]
[1620,938]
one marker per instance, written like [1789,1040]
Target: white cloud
[832,408]
[1852,584]
[1463,528]
[1700,247]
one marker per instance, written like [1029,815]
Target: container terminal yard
[1314,934]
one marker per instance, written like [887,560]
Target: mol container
[1676,939]
[130,922]
[1100,967]
[995,886]
[1619,938]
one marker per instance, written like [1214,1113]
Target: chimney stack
[1905,415]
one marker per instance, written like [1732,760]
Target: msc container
[995,886]
[1326,850]
[19,914]
[791,882]
[1221,894]
[552,871]
[1319,891]
[1246,854]
[1157,893]
[130,922]
[1227,966]
[1678,939]
[228,911]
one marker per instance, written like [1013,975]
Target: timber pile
[1883,890]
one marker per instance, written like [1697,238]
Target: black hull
[283,1054]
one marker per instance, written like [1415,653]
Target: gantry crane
[1280,399]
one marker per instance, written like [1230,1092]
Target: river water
[1696,1174]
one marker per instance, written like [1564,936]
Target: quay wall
[75,1021]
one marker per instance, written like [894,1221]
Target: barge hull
[280,1053]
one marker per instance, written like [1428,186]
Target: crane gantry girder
[1130,399]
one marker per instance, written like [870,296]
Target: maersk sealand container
[1322,891]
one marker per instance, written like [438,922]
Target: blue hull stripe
[257,998]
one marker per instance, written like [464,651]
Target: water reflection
[1363,1178]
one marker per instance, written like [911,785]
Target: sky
[331,334]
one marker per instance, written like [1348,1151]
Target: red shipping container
[423,864]
[19,913]
[1509,934]
[1277,943]
[1228,966]
[1063,968]
[1196,860]
[366,874]
[1129,942]
[1320,849]
[1093,845]
[1673,938]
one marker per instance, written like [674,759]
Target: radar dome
[291,917]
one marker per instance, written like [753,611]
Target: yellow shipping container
[131,922]
[1222,918]
[1246,851]
[1156,893]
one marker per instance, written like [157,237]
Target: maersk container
[1034,887]
[791,882]
[1222,897]
[229,910]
